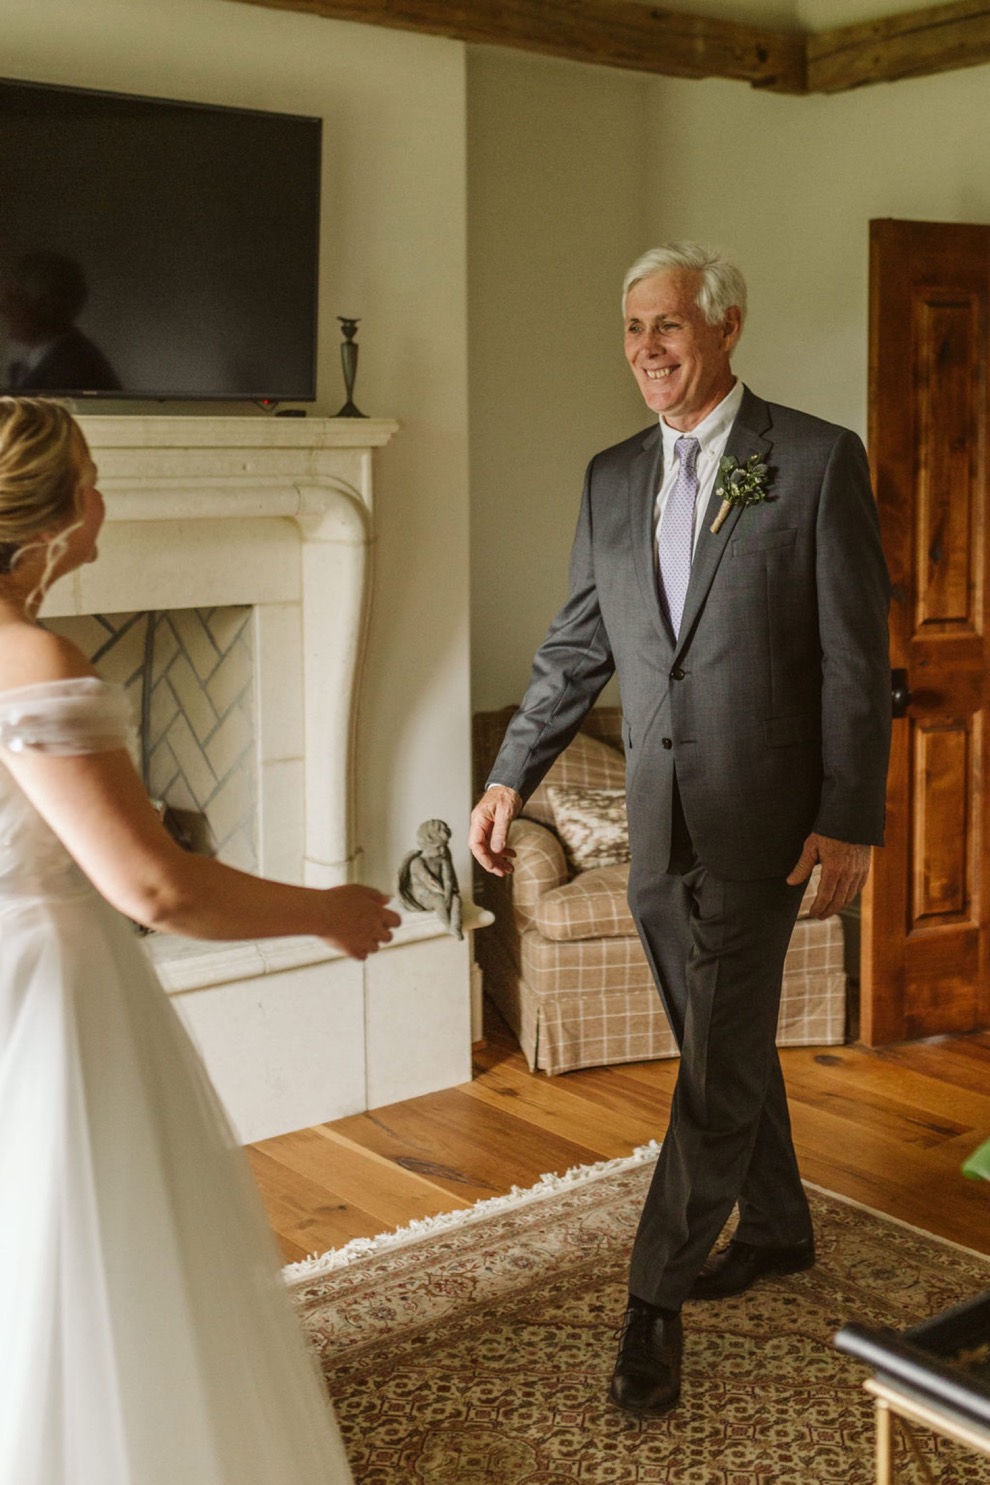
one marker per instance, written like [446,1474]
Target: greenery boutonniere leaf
[740,484]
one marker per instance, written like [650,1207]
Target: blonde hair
[40,447]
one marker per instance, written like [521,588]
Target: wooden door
[926,910]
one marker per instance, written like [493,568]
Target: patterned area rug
[478,1352]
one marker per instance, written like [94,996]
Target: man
[727,566]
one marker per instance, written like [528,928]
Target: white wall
[559,208]
[393,253]
[540,181]
[789,185]
[568,187]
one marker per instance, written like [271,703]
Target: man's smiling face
[680,362]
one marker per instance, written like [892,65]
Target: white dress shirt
[712,434]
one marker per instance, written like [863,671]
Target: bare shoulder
[29,656]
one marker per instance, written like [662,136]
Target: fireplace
[263,529]
[190,680]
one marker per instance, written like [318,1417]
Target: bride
[145,1336]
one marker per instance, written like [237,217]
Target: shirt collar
[712,430]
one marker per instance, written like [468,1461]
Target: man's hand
[490,821]
[845,868]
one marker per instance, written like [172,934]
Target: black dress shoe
[647,1376]
[739,1265]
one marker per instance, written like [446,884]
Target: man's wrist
[497,784]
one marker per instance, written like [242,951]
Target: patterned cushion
[810,892]
[592,825]
[540,867]
[593,905]
[592,1002]
[585,763]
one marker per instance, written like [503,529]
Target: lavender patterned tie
[676,537]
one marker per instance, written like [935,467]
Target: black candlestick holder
[349,361]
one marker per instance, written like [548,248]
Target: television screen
[156,249]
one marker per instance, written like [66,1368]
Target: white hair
[722,285]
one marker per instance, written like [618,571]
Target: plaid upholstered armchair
[563,962]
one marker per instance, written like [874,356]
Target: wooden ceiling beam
[917,43]
[611,33]
[647,38]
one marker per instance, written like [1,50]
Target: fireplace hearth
[263,529]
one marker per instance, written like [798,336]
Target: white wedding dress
[145,1338]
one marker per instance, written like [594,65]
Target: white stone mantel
[272,512]
[278,513]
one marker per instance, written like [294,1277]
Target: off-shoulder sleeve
[84,715]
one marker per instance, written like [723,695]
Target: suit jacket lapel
[746,438]
[645,473]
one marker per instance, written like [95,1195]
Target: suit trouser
[716,949]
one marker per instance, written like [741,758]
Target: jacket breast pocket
[765,541]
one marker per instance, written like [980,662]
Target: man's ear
[731,327]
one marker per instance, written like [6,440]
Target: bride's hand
[357,920]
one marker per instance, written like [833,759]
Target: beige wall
[787,185]
[558,207]
[538,181]
[393,252]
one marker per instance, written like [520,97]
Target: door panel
[941,791]
[925,938]
[948,344]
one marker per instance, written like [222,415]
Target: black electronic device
[944,1359]
[156,249]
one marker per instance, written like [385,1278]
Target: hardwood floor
[888,1128]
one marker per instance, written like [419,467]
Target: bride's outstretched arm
[97,806]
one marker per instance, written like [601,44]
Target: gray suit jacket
[773,705]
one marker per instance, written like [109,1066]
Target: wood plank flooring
[888,1128]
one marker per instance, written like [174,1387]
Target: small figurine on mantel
[427,881]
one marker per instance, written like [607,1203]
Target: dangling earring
[55,548]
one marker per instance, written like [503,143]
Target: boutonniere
[740,484]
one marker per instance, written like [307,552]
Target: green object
[742,484]
[977,1166]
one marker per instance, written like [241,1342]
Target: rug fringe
[549,1184]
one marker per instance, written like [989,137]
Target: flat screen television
[156,249]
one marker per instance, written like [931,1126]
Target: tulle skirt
[145,1338]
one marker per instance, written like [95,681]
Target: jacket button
[677,675]
[667,742]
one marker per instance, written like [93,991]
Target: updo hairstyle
[39,472]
